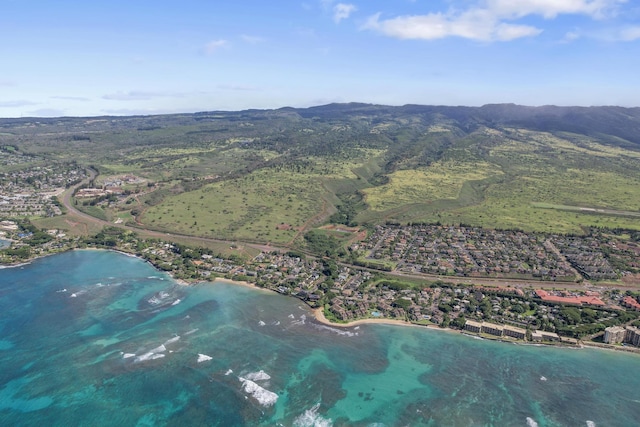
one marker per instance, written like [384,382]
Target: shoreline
[242,283]
[318,313]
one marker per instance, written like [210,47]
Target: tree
[402,303]
[460,321]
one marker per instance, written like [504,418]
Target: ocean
[98,338]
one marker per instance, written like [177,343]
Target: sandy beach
[240,283]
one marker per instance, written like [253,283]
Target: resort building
[614,334]
[492,329]
[540,336]
[632,336]
[591,299]
[513,332]
[472,326]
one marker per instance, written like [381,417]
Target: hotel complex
[619,334]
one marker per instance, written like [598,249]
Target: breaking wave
[311,418]
[531,422]
[203,358]
[172,340]
[258,376]
[148,356]
[262,395]
[160,349]
[342,332]
[302,320]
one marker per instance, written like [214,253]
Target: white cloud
[487,20]
[630,34]
[237,87]
[552,8]
[16,103]
[252,39]
[215,45]
[139,95]
[437,26]
[571,36]
[71,98]
[343,11]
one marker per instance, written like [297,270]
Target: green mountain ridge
[270,175]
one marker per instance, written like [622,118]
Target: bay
[98,338]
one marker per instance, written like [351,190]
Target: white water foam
[591,423]
[203,358]
[337,331]
[261,323]
[158,298]
[543,378]
[229,372]
[62,290]
[172,340]
[143,357]
[191,331]
[258,376]
[531,422]
[291,316]
[302,320]
[262,395]
[128,355]
[311,418]
[176,302]
[160,349]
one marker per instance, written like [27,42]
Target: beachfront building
[539,336]
[472,326]
[632,336]
[492,329]
[614,334]
[513,332]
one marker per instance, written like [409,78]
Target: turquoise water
[96,338]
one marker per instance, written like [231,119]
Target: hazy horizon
[145,58]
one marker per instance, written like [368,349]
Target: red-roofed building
[574,300]
[631,303]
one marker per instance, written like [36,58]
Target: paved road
[495,282]
[74,212]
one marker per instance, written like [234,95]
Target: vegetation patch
[442,180]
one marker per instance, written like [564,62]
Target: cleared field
[267,205]
[442,180]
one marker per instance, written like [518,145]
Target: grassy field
[443,180]
[267,205]
[524,173]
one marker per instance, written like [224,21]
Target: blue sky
[88,58]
